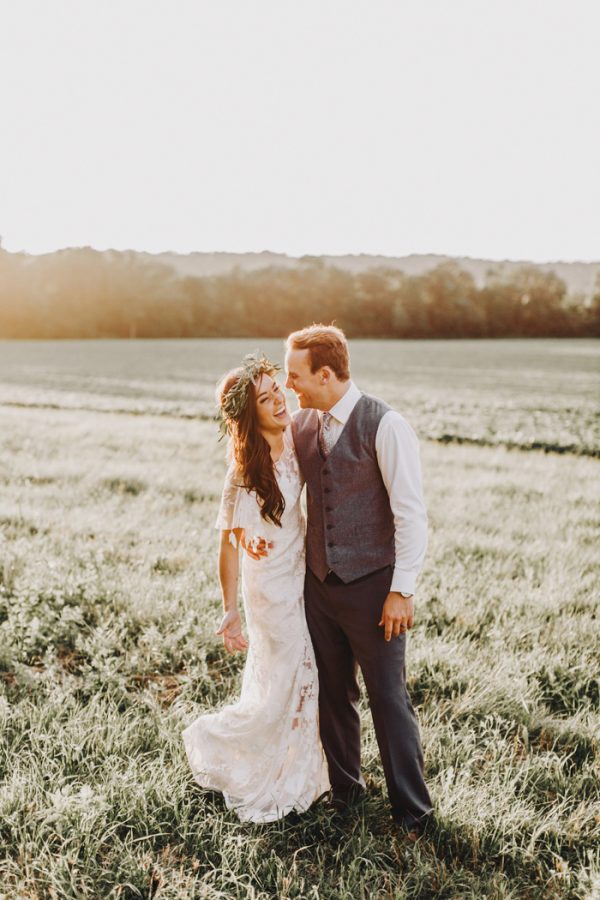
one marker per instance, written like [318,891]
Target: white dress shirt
[397,449]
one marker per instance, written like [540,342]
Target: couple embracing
[322,596]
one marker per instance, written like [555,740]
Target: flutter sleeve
[238,508]
[288,439]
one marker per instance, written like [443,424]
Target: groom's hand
[256,547]
[397,615]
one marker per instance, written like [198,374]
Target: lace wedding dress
[263,752]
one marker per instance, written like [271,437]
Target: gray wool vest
[350,528]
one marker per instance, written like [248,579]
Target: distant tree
[450,297]
[81,292]
[593,312]
[371,312]
[527,303]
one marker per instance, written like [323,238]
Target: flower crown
[233,403]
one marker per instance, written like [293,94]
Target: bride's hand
[231,629]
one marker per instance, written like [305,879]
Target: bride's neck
[275,441]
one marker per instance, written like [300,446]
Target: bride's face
[271,409]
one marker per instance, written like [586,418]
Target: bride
[263,752]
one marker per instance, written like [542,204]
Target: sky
[391,127]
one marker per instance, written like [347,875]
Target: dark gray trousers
[342,620]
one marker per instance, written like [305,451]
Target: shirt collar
[342,409]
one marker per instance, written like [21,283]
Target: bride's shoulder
[289,464]
[234,480]
[289,443]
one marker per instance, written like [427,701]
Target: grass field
[521,393]
[111,474]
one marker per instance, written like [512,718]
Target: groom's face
[306,385]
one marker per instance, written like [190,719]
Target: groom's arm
[397,449]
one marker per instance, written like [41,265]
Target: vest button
[329,527]
[326,490]
[331,544]
[325,471]
[329,509]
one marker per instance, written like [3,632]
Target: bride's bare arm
[231,624]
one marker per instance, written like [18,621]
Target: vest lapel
[344,432]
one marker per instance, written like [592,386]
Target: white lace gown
[263,752]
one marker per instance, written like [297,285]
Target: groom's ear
[324,375]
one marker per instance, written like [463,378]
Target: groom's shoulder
[374,404]
[386,411]
[388,418]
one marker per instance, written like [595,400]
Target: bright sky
[302,126]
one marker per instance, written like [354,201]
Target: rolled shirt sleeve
[397,449]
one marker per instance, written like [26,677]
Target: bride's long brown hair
[251,450]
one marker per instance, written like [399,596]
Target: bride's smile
[271,406]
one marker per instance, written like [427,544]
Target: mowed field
[110,475]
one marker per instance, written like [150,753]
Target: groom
[365,544]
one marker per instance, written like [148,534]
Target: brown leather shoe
[411,833]
[411,836]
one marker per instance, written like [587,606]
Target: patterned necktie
[325,436]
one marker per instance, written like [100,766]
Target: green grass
[108,605]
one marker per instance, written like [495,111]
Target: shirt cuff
[404,582]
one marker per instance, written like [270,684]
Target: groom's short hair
[327,346]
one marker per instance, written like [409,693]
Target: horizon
[108,249]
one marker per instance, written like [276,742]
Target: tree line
[85,293]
